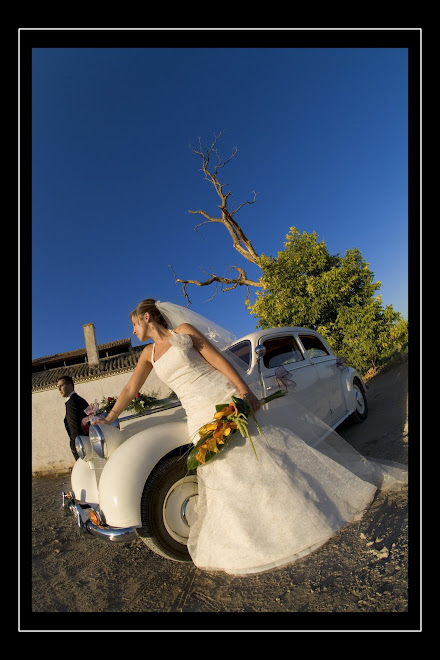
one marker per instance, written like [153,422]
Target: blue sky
[322,137]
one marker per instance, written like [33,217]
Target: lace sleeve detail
[181,341]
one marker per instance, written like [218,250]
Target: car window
[242,350]
[313,346]
[281,350]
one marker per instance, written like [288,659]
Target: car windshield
[243,351]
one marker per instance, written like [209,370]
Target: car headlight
[105,439]
[83,447]
[97,439]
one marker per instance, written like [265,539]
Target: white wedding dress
[254,515]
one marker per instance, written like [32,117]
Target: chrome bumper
[86,526]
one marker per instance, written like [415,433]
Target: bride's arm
[216,359]
[138,378]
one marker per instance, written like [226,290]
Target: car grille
[98,464]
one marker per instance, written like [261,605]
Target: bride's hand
[100,420]
[250,396]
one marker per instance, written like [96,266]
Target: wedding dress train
[254,514]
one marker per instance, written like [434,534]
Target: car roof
[264,332]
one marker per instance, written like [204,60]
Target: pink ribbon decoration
[92,411]
[284,378]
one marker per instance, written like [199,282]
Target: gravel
[80,583]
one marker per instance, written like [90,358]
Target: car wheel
[361,412]
[168,508]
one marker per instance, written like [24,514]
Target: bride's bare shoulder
[190,334]
[186,329]
[146,353]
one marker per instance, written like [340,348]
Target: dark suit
[75,407]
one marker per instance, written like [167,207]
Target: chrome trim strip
[114,534]
[151,411]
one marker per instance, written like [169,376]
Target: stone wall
[50,443]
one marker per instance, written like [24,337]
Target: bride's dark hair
[149,305]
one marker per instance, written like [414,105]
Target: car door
[282,350]
[324,361]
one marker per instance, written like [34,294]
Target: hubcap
[360,403]
[179,508]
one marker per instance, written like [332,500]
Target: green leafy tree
[368,335]
[307,286]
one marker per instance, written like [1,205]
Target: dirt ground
[357,581]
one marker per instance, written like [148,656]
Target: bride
[252,515]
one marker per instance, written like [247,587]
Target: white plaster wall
[50,442]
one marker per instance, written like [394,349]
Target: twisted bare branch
[241,280]
[240,241]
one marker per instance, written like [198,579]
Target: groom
[75,407]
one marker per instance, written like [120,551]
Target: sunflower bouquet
[228,419]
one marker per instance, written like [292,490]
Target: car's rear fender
[349,374]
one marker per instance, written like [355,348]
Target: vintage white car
[131,479]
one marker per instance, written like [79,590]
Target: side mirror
[260,351]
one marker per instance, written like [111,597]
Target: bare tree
[240,242]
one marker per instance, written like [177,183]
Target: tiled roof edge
[82,351]
[108,374]
[47,380]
